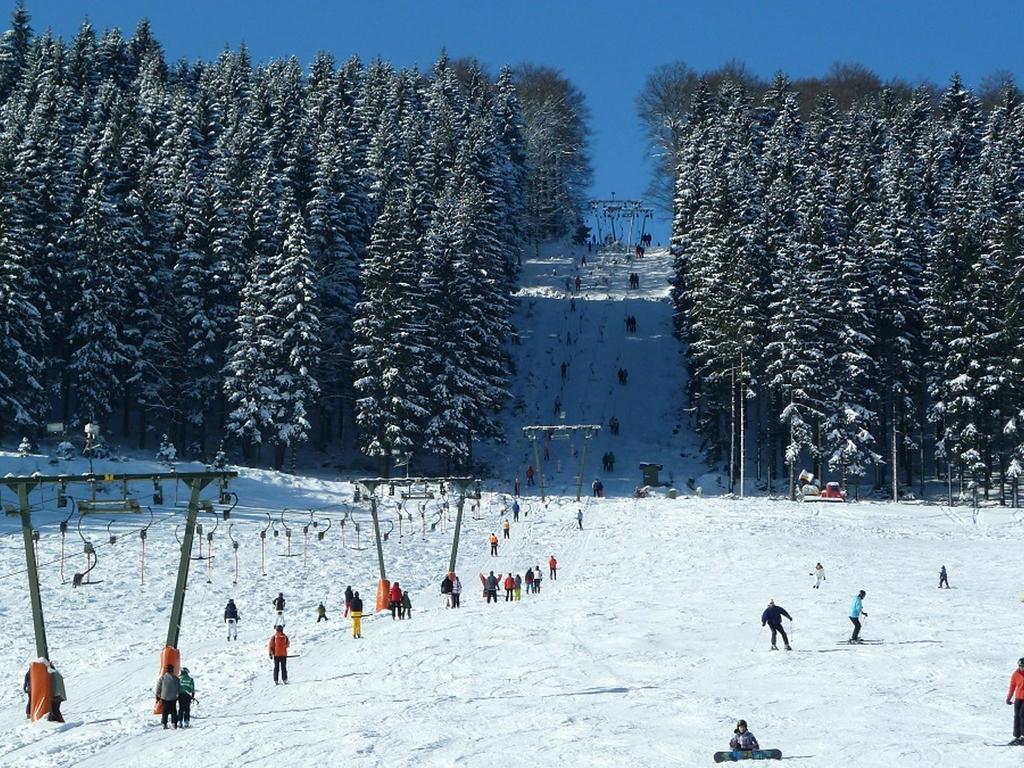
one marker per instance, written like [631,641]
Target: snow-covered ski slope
[649,407]
[645,650]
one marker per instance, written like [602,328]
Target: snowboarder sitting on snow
[321,613]
[772,616]
[742,738]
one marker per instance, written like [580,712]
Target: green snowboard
[748,754]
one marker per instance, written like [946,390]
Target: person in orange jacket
[1015,696]
[553,567]
[494,545]
[510,585]
[505,526]
[395,601]
[277,648]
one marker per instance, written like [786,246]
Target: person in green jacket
[186,695]
[321,613]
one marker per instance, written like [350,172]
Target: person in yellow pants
[357,616]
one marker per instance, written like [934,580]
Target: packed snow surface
[645,650]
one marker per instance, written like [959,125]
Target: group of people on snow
[513,585]
[451,590]
[623,376]
[175,694]
[631,324]
[399,603]
[608,461]
[634,280]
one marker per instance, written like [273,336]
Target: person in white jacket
[819,575]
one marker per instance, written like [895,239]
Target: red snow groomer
[810,491]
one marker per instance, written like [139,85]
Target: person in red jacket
[278,650]
[1015,696]
[395,601]
[553,567]
[510,586]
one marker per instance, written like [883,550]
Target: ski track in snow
[645,650]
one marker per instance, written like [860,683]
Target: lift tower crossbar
[555,431]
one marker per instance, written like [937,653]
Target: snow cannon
[809,490]
[172,656]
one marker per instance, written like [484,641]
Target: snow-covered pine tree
[389,346]
[954,247]
[14,49]
[849,438]
[294,334]
[100,354]
[896,231]
[999,218]
[511,156]
[449,366]
[334,236]
[167,453]
[269,382]
[781,174]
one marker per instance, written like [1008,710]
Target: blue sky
[607,48]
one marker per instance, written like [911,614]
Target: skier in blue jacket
[772,616]
[856,611]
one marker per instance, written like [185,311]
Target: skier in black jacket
[772,616]
[231,619]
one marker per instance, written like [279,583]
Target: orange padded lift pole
[42,690]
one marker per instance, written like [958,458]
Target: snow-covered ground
[654,427]
[645,650]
